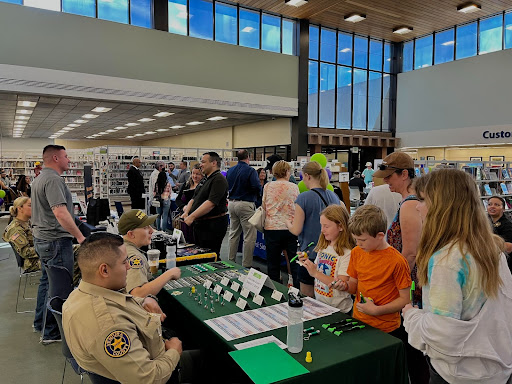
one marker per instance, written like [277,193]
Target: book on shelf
[488,190]
[505,173]
[417,172]
[486,203]
[486,174]
[494,173]
[509,187]
[504,189]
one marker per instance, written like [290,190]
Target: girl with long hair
[464,326]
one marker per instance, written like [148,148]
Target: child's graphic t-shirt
[331,264]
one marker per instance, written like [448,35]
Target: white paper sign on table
[276,295]
[244,292]
[207,284]
[225,281]
[261,341]
[217,289]
[241,303]
[235,286]
[258,299]
[228,296]
[256,280]
[293,290]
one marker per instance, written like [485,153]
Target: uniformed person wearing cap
[19,234]
[110,332]
[135,227]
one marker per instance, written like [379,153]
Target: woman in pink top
[279,203]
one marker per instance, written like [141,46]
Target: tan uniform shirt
[139,273]
[109,333]
[19,235]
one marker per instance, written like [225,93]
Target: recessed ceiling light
[102,133]
[145,120]
[355,17]
[89,137]
[100,110]
[469,7]
[19,126]
[162,129]
[30,104]
[110,130]
[163,114]
[24,111]
[120,128]
[131,124]
[130,137]
[195,123]
[217,118]
[402,30]
[81,121]
[296,3]
[23,117]
[20,122]
[73,125]
[139,134]
[177,126]
[149,133]
[67,129]
[248,29]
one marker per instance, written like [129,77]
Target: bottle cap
[294,301]
[309,359]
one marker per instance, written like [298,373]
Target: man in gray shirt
[183,175]
[53,227]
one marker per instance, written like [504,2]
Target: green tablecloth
[362,356]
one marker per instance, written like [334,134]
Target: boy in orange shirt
[377,271]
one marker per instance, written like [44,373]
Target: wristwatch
[153,297]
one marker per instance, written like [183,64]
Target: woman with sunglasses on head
[397,170]
[464,327]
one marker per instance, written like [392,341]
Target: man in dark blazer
[136,184]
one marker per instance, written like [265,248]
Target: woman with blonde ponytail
[306,222]
[19,234]
[464,327]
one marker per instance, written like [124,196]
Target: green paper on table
[279,365]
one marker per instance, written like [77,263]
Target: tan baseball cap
[134,218]
[394,162]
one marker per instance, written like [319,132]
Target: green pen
[362,298]
[297,255]
[413,287]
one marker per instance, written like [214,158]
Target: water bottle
[171,256]
[295,325]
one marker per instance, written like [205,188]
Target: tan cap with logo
[133,219]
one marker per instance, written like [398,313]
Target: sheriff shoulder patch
[117,344]
[135,262]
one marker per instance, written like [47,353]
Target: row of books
[492,174]
[500,189]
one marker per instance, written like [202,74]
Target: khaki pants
[239,214]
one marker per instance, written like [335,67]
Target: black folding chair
[27,275]
[60,281]
[55,307]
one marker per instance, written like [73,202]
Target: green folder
[279,365]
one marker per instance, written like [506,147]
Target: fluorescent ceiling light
[296,3]
[345,50]
[20,124]
[131,124]
[217,118]
[149,133]
[100,110]
[177,126]
[248,29]
[90,116]
[195,123]
[24,111]
[355,17]
[446,43]
[130,137]
[67,129]
[139,134]
[120,128]
[102,133]
[402,30]
[89,137]
[145,120]
[30,104]
[110,130]
[469,7]
[163,114]
[162,129]
[81,121]
[23,117]
[73,125]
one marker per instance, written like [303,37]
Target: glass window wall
[445,43]
[80,7]
[225,23]
[201,19]
[249,28]
[270,33]
[113,10]
[423,52]
[491,34]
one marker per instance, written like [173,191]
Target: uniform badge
[117,344]
[135,262]
[15,236]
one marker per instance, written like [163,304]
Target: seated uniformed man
[135,227]
[19,234]
[110,332]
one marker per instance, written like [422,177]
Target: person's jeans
[275,242]
[56,252]
[163,214]
[239,214]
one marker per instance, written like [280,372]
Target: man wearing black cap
[135,227]
[356,181]
[271,160]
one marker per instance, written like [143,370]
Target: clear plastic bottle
[171,256]
[295,324]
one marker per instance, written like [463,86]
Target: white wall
[8,144]
[457,102]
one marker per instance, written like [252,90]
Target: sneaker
[35,330]
[49,341]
